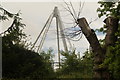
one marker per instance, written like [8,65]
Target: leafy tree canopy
[113,52]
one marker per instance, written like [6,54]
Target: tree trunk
[99,72]
[112,27]
[110,38]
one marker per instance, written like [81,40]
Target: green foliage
[17,61]
[102,29]
[22,63]
[74,67]
[109,9]
[5,15]
[70,62]
[112,60]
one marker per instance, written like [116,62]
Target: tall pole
[58,41]
[59,25]
[57,15]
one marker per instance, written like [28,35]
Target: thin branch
[9,29]
[93,21]
[70,11]
[68,22]
[80,9]
[73,10]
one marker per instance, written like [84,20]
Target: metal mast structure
[45,29]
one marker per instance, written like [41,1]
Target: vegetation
[18,62]
[112,59]
[75,67]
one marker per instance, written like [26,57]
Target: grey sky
[35,14]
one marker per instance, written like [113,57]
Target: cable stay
[41,31]
[44,34]
[45,29]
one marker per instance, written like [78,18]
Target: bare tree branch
[93,20]
[80,9]
[73,10]
[70,11]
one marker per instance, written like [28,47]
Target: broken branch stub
[90,35]
[96,48]
[112,27]
[84,26]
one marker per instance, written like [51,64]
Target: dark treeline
[18,62]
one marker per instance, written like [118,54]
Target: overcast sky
[35,14]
